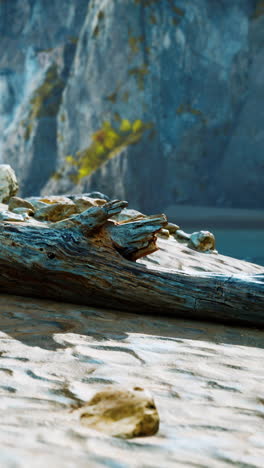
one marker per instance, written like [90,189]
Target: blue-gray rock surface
[178,81]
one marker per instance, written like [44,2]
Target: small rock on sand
[202,241]
[172,228]
[121,413]
[164,233]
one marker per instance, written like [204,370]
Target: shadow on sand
[37,322]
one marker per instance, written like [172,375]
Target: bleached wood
[87,260]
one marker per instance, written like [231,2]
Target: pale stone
[55,212]
[172,228]
[98,195]
[43,202]
[121,413]
[164,233]
[93,195]
[84,203]
[26,212]
[36,203]
[128,215]
[182,236]
[99,201]
[202,241]
[11,217]
[3,207]
[8,183]
[17,202]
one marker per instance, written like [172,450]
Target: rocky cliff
[154,101]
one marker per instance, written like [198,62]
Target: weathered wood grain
[87,259]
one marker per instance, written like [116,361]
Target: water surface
[244,244]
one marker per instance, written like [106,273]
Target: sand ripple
[207,381]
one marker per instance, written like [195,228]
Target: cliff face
[159,101]
[38,40]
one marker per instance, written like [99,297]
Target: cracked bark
[89,259]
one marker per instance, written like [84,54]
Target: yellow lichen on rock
[125,125]
[106,143]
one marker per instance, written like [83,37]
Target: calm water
[244,244]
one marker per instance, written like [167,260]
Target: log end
[137,238]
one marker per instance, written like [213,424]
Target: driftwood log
[90,259]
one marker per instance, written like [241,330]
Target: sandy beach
[207,382]
[131,307]
[206,379]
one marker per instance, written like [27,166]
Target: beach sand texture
[207,381]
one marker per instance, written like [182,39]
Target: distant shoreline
[202,217]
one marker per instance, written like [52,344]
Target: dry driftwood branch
[89,259]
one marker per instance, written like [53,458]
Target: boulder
[128,214]
[55,212]
[121,413]
[36,203]
[17,202]
[82,203]
[8,183]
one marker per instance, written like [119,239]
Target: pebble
[120,412]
